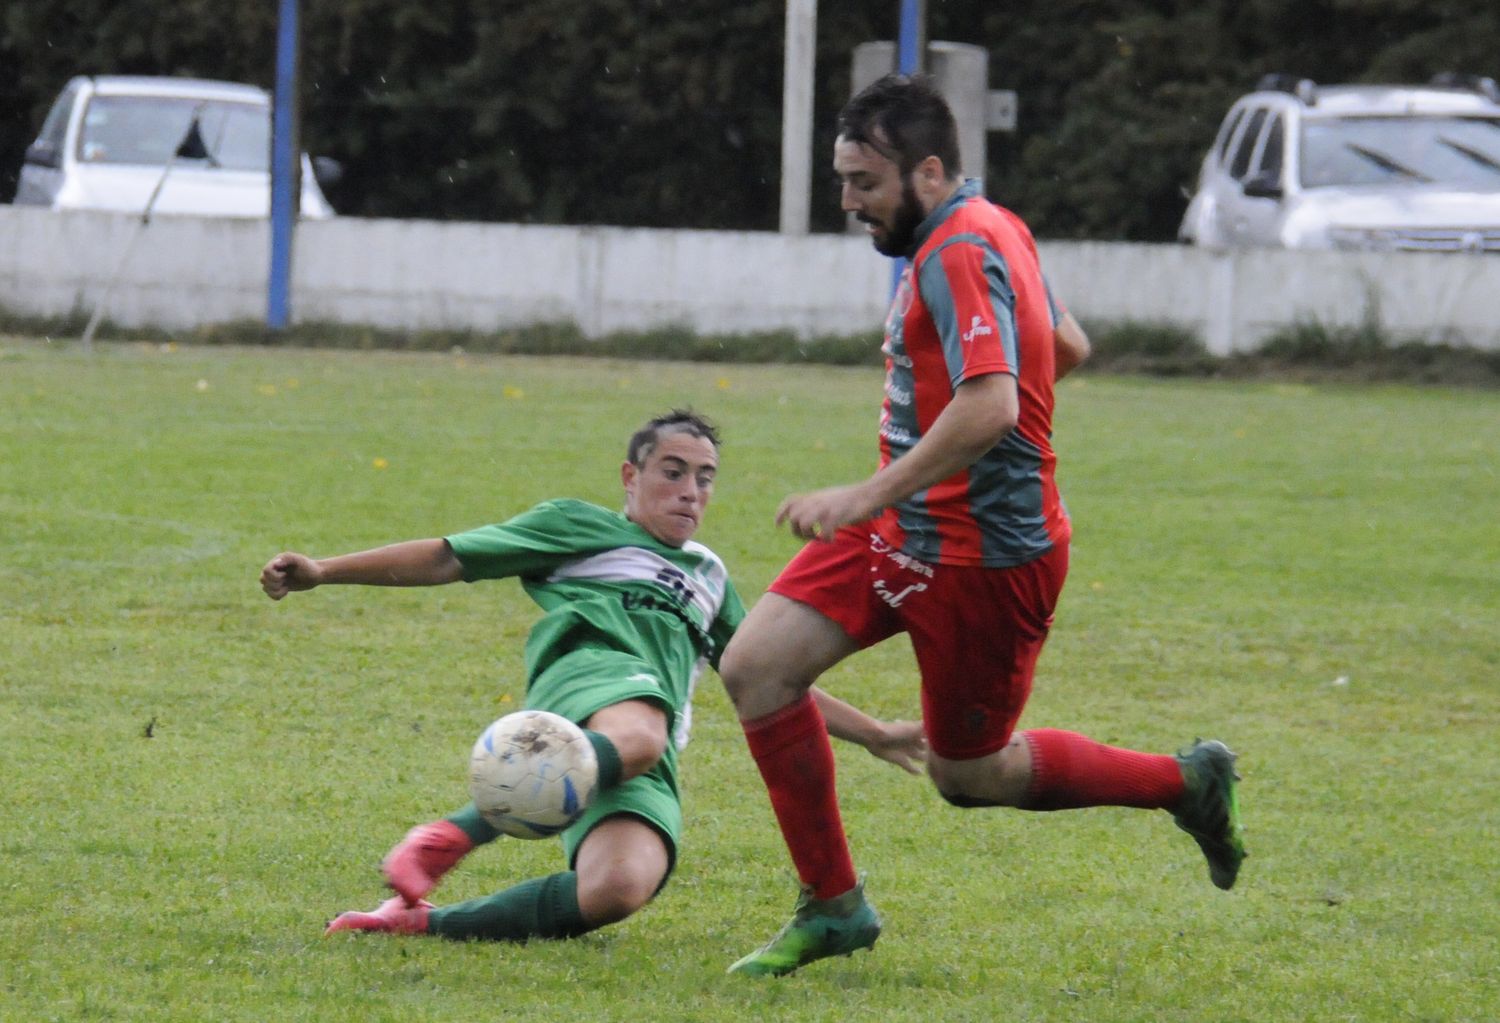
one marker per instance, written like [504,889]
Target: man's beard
[904,223]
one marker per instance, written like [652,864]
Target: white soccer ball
[532,773]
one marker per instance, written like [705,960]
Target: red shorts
[976,631]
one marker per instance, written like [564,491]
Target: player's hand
[817,515]
[289,572]
[901,743]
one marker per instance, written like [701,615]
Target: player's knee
[968,784]
[638,731]
[759,679]
[964,801]
[950,782]
[736,669]
[642,745]
[947,777]
[611,895]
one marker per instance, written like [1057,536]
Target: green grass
[197,778]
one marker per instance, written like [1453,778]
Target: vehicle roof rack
[1305,89]
[1481,84]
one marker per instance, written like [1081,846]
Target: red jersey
[972,302]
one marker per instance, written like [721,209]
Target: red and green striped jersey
[973,302]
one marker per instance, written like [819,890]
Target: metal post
[284,150]
[911,46]
[797,114]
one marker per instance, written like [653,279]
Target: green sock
[472,824]
[544,907]
[610,766]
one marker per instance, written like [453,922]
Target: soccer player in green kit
[633,611]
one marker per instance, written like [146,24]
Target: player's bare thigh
[778,653]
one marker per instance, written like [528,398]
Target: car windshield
[149,129]
[1457,152]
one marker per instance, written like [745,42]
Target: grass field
[197,778]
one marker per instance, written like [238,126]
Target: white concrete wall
[1234,299]
[180,272]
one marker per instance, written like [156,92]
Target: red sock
[1069,771]
[791,748]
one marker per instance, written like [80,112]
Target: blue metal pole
[908,61]
[283,167]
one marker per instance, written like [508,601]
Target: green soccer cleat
[818,929]
[1210,808]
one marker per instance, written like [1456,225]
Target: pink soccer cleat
[421,859]
[393,916]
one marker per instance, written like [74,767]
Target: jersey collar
[970,188]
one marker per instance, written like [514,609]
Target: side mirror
[43,154]
[1265,185]
[327,170]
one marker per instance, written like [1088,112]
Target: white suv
[108,140]
[1301,165]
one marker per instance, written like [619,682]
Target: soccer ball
[532,773]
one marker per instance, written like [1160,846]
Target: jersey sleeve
[966,288]
[532,543]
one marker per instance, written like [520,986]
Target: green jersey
[605,583]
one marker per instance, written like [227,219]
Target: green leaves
[669,114]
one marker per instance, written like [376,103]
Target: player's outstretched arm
[1070,346]
[898,742]
[412,563]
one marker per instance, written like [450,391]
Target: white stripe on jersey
[703,589]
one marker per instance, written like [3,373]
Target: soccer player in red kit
[960,540]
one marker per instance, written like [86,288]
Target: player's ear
[932,172]
[628,472]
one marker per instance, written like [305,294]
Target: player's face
[879,195]
[668,494]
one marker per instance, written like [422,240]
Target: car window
[1245,147]
[148,130]
[1454,151]
[55,127]
[239,135]
[1227,132]
[1273,149]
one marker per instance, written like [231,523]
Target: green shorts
[587,680]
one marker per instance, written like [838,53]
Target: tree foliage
[668,112]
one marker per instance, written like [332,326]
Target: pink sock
[1069,771]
